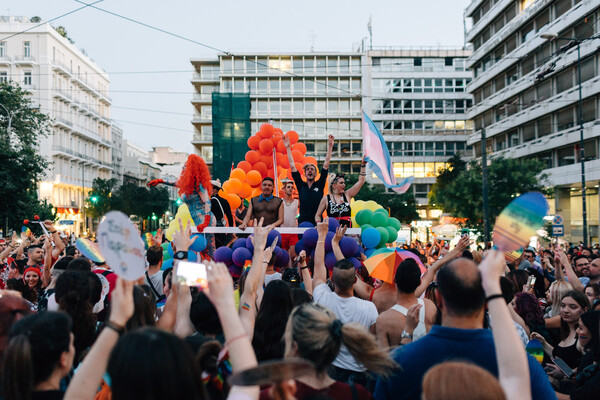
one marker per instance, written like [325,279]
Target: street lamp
[576,41]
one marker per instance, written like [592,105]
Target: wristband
[180,255]
[115,327]
[228,343]
[304,268]
[494,296]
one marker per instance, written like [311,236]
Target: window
[27,78]
[3,76]
[26,49]
[297,65]
[566,156]
[542,19]
[544,90]
[589,110]
[544,126]
[587,69]
[564,80]
[561,7]
[2,49]
[528,132]
[565,118]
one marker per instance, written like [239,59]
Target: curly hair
[528,308]
[195,173]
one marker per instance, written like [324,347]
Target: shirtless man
[392,327]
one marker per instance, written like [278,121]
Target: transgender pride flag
[378,156]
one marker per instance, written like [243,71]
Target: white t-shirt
[347,309]
[272,277]
[289,214]
[156,282]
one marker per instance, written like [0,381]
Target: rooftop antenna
[312,37]
[370,29]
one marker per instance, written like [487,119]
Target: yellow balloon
[183,213]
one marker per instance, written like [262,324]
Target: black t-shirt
[220,205]
[309,197]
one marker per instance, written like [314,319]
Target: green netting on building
[231,130]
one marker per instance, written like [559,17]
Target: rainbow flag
[378,157]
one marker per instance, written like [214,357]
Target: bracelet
[228,343]
[115,327]
[53,232]
[320,241]
[494,296]
[304,268]
[361,174]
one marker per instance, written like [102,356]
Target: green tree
[140,200]
[35,19]
[22,165]
[99,200]
[458,191]
[62,31]
[402,206]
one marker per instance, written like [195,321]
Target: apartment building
[526,94]
[72,90]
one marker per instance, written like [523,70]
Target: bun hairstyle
[35,348]
[317,335]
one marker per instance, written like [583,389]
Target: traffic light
[94,199]
[153,217]
[178,201]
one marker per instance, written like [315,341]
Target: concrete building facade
[526,94]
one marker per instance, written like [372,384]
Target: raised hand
[339,233]
[220,286]
[260,234]
[330,142]
[323,228]
[412,318]
[121,302]
[492,268]
[286,141]
[269,251]
[182,239]
[157,239]
[155,182]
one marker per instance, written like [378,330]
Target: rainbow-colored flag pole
[378,157]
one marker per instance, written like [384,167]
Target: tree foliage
[22,165]
[129,198]
[402,206]
[458,187]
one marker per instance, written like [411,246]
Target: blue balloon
[192,256]
[199,244]
[349,246]
[283,259]
[310,238]
[356,263]
[359,251]
[370,238]
[223,254]
[240,256]
[299,246]
[167,264]
[235,271]
[305,224]
[328,240]
[277,251]
[238,243]
[272,235]
[249,244]
[369,252]
[170,249]
[333,224]
[330,260]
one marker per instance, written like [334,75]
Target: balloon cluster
[378,229]
[196,247]
[267,144]
[348,245]
[236,256]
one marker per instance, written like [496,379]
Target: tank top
[289,214]
[269,210]
[341,211]
[421,329]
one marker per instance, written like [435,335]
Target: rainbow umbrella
[383,266]
[90,250]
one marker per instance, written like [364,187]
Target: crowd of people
[467,327]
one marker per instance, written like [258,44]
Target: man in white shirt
[344,305]
[153,275]
[290,211]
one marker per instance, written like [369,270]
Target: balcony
[205,78]
[201,119]
[25,60]
[200,138]
[63,95]
[202,98]
[5,61]
[62,69]
[64,123]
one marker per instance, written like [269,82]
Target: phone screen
[563,366]
[192,274]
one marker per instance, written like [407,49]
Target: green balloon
[383,211]
[164,246]
[379,219]
[393,234]
[394,222]
[365,226]
[363,217]
[384,235]
[166,255]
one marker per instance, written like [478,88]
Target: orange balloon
[276,139]
[252,157]
[246,191]
[293,136]
[245,166]
[234,201]
[266,146]
[289,174]
[281,147]
[232,186]
[253,142]
[299,167]
[279,130]
[238,173]
[297,156]
[271,173]
[310,160]
[301,147]
[223,193]
[261,167]
[256,192]
[282,160]
[266,131]
[253,178]
[267,160]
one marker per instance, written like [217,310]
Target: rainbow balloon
[90,250]
[519,221]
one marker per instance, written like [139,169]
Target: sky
[141,60]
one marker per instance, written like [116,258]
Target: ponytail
[364,348]
[17,369]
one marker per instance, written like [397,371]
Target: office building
[526,94]
[72,90]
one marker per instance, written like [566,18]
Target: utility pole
[582,153]
[484,189]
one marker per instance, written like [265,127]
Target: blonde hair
[557,291]
[311,331]
[454,380]
[333,180]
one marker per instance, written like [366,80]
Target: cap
[32,269]
[216,183]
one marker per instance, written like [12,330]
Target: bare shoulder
[390,318]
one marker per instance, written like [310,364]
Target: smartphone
[563,367]
[531,281]
[192,274]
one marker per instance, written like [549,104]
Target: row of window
[428,149]
[421,106]
[419,85]
[296,86]
[26,49]
[418,64]
[545,89]
[560,120]
[418,169]
[315,128]
[26,78]
[294,64]
[305,106]
[568,155]
[583,29]
[439,126]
